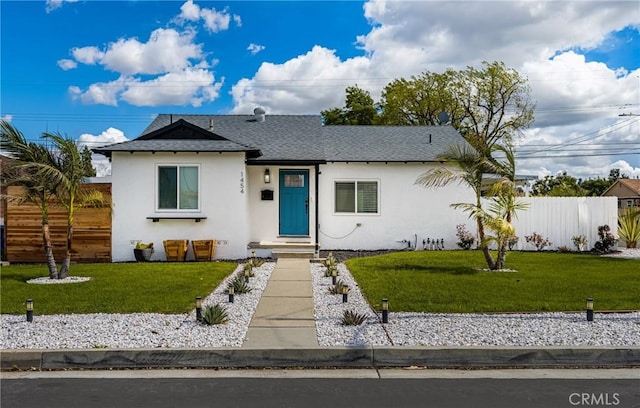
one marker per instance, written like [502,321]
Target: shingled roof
[290,139]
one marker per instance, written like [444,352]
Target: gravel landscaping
[403,329]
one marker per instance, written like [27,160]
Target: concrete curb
[339,357]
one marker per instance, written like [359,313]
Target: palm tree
[37,188]
[471,169]
[69,173]
[473,165]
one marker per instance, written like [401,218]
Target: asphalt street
[322,388]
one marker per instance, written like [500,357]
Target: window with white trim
[178,187]
[356,197]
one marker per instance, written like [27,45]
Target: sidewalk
[285,317]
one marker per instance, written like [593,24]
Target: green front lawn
[447,281]
[158,287]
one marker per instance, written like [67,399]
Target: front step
[304,250]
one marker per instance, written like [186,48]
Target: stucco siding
[223,201]
[264,224]
[407,211]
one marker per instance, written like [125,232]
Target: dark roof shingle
[299,138]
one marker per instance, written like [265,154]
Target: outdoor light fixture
[198,308]
[246,274]
[589,309]
[29,310]
[385,310]
[267,176]
[345,293]
[230,294]
[334,275]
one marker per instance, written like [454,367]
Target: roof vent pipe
[211,125]
[259,114]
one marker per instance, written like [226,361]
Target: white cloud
[87,55]
[189,87]
[67,64]
[51,5]
[166,51]
[308,83]
[255,48]
[102,93]
[213,20]
[7,118]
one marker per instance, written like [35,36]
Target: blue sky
[98,71]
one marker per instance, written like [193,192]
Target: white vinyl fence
[561,218]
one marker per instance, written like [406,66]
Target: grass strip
[149,287]
[454,282]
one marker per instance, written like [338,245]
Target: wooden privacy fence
[561,218]
[91,230]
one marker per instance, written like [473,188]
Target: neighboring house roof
[292,138]
[624,188]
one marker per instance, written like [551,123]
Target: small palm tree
[68,172]
[37,188]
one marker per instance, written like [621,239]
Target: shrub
[580,241]
[607,239]
[351,318]
[215,314]
[629,227]
[239,285]
[564,249]
[512,241]
[465,239]
[538,241]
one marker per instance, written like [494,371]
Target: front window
[357,197]
[178,187]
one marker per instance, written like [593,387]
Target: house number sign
[242,182]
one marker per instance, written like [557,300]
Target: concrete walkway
[285,317]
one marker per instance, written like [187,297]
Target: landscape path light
[29,304]
[231,294]
[589,309]
[385,310]
[345,293]
[198,308]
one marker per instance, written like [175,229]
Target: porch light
[589,309]
[385,310]
[231,294]
[29,304]
[198,308]
[267,176]
[345,293]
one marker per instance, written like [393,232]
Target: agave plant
[337,288]
[629,227]
[240,285]
[215,314]
[351,318]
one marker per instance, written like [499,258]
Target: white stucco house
[280,183]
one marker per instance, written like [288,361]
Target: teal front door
[294,202]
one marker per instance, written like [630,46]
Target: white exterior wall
[406,211]
[264,225]
[223,200]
